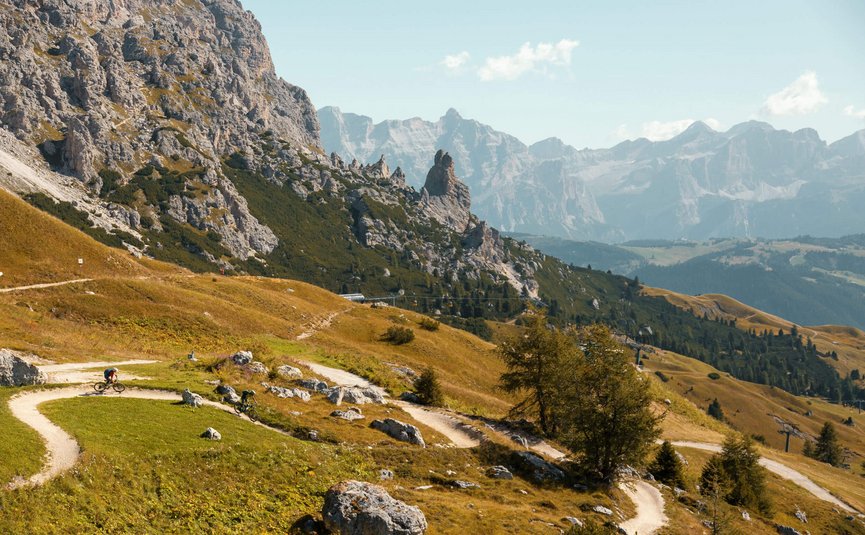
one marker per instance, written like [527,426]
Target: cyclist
[110,375]
[246,396]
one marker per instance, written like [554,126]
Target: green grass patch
[21,450]
[145,469]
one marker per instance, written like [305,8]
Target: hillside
[157,472]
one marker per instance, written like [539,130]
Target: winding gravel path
[62,449]
[650,508]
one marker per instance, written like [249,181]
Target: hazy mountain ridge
[751,180]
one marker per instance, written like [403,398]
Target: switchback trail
[62,449]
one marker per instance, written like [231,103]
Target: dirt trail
[62,449]
[781,470]
[43,285]
[318,325]
[440,421]
[650,508]
[85,372]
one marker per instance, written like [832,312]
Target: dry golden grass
[848,342]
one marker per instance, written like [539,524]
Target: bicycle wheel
[238,409]
[100,387]
[250,412]
[118,387]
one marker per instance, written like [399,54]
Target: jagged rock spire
[447,199]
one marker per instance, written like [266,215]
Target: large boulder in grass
[289,372]
[192,399]
[358,508]
[537,467]
[15,371]
[400,431]
[242,358]
[353,394]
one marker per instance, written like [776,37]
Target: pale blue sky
[641,68]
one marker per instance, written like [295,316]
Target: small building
[355,298]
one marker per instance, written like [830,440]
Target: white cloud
[850,111]
[455,62]
[527,59]
[801,97]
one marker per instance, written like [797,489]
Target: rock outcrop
[358,508]
[399,430]
[16,371]
[444,197]
[211,434]
[353,394]
[192,399]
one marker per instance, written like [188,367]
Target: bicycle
[247,408]
[102,386]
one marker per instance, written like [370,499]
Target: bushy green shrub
[428,388]
[429,324]
[398,335]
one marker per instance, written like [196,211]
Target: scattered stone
[667,402]
[350,414]
[424,487]
[499,472]
[787,530]
[800,514]
[540,469]
[385,474]
[574,521]
[314,384]
[313,434]
[596,304]
[358,508]
[289,372]
[16,371]
[257,368]
[410,397]
[353,394]
[521,440]
[600,509]
[242,358]
[400,431]
[225,389]
[678,492]
[192,399]
[465,484]
[523,492]
[745,516]
[282,392]
[211,434]
[682,458]
[450,473]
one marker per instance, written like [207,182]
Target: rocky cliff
[751,180]
[163,124]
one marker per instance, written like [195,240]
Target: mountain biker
[110,375]
[246,396]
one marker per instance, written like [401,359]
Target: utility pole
[786,430]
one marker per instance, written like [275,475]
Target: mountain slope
[749,181]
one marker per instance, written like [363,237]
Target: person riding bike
[246,396]
[110,375]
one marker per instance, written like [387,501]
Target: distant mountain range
[750,181]
[810,281]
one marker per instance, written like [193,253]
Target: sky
[592,73]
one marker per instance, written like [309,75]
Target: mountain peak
[749,125]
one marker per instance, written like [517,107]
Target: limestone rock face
[445,198]
[101,69]
[358,508]
[15,371]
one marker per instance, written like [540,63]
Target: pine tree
[667,467]
[428,388]
[827,448]
[533,359]
[737,471]
[603,406]
[714,410]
